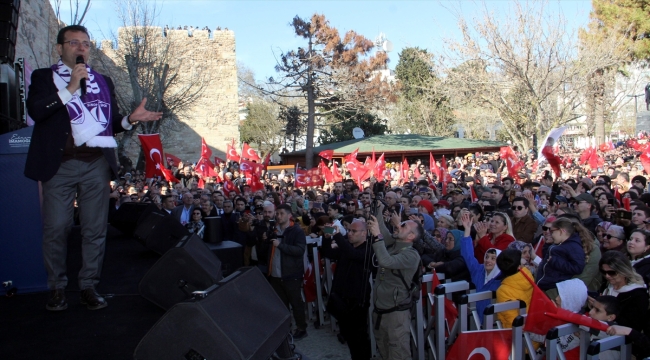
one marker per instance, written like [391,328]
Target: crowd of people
[494,231]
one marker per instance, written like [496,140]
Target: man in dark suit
[72,153]
[183,212]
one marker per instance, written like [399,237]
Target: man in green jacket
[392,300]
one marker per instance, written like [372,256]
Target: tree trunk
[311,111]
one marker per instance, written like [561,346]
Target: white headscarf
[496,271]
[573,293]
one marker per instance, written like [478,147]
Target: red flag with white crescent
[218,160]
[443,163]
[316,176]
[205,149]
[231,153]
[327,174]
[172,160]
[380,167]
[302,178]
[485,344]
[153,154]
[255,183]
[168,175]
[249,153]
[326,154]
[405,171]
[351,156]
[434,167]
[205,168]
[229,186]
[248,168]
[336,173]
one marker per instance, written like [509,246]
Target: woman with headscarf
[601,230]
[485,277]
[527,255]
[451,263]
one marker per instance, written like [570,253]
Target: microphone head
[80,60]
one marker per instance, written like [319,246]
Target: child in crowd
[514,285]
[605,309]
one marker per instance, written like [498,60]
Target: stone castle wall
[214,115]
[36,36]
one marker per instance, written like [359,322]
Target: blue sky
[261,27]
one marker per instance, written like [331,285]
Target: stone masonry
[214,115]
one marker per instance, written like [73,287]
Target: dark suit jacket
[53,126]
[178,211]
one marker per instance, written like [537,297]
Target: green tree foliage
[294,123]
[262,127]
[421,108]
[342,123]
[630,18]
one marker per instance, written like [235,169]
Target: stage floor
[28,331]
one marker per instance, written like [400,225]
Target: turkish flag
[336,173]
[255,183]
[153,158]
[218,160]
[553,159]
[607,146]
[645,159]
[267,160]
[404,172]
[172,160]
[231,153]
[513,162]
[302,178]
[351,156]
[380,167]
[595,160]
[416,173]
[586,154]
[168,175]
[229,186]
[249,168]
[357,170]
[567,316]
[485,344]
[327,174]
[537,321]
[443,163]
[315,176]
[205,168]
[326,154]
[434,167]
[249,153]
[451,312]
[443,180]
[205,150]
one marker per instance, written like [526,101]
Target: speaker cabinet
[159,232]
[183,269]
[127,217]
[241,317]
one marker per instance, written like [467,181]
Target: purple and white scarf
[90,116]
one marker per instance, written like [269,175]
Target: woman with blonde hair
[589,275]
[628,287]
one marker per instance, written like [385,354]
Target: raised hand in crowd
[466,220]
[481,229]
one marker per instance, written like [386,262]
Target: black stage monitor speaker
[241,317]
[126,217]
[187,267]
[213,231]
[231,255]
[9,11]
[159,232]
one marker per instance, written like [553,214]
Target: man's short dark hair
[284,207]
[610,303]
[500,189]
[643,208]
[508,178]
[508,261]
[60,38]
[336,207]
[164,197]
[522,199]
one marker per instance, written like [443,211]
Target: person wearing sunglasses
[623,282]
[613,239]
[524,226]
[565,257]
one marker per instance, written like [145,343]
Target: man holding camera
[350,297]
[396,256]
[286,248]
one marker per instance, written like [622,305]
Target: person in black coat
[451,263]
[72,153]
[350,297]
[638,248]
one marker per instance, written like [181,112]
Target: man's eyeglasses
[76,43]
[517,207]
[608,236]
[610,273]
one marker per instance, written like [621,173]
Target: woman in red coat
[497,233]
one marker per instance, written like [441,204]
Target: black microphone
[82,82]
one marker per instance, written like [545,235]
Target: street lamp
[636,107]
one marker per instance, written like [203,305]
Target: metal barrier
[436,338]
[468,305]
[598,346]
[490,310]
[553,350]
